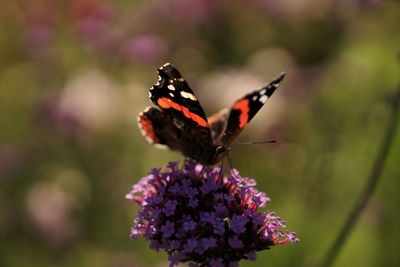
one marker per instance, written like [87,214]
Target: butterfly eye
[221,151]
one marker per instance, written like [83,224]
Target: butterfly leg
[221,172]
[201,171]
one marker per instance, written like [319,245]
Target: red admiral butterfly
[179,122]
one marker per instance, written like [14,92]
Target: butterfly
[178,122]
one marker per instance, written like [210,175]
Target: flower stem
[370,185]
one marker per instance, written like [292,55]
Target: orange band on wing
[196,118]
[243,106]
[147,127]
[164,102]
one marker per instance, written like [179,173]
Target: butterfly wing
[172,93]
[179,122]
[157,128]
[243,110]
[218,122]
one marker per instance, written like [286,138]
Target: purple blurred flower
[235,242]
[38,35]
[51,115]
[40,28]
[91,28]
[92,18]
[144,48]
[221,229]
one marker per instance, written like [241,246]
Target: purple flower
[170,207]
[174,259]
[189,225]
[196,216]
[221,210]
[238,224]
[191,245]
[251,256]
[175,189]
[235,242]
[217,263]
[167,230]
[193,202]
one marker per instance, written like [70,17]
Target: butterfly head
[220,153]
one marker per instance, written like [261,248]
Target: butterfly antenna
[255,143]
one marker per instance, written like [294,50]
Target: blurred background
[75,74]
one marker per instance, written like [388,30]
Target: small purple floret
[189,225]
[235,242]
[238,224]
[170,206]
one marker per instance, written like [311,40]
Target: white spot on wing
[275,85]
[150,95]
[171,94]
[171,87]
[255,98]
[263,91]
[263,98]
[160,146]
[159,80]
[188,95]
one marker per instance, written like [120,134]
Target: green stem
[371,183]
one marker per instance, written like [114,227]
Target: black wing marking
[159,128]
[152,123]
[173,93]
[244,109]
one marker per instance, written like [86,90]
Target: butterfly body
[178,121]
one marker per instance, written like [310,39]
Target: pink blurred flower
[144,48]
[39,30]
[50,210]
[92,18]
[62,121]
[39,35]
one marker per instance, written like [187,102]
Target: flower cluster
[197,215]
